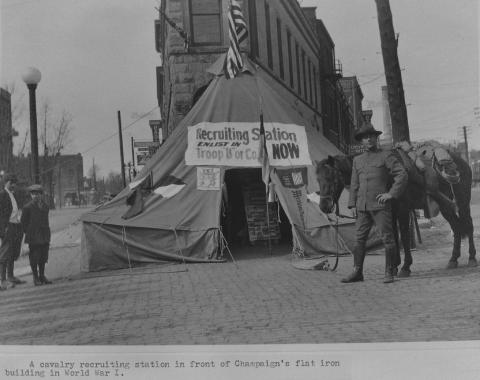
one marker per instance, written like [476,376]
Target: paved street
[258,299]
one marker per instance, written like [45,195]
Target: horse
[334,174]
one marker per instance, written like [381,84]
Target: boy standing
[37,233]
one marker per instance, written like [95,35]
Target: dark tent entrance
[244,212]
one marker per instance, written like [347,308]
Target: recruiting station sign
[239,144]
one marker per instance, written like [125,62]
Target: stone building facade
[286,40]
[6,131]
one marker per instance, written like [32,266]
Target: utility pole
[133,154]
[396,96]
[122,161]
[94,174]
[466,144]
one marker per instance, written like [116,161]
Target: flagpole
[268,224]
[262,127]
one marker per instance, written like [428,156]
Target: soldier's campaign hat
[35,188]
[366,129]
[10,177]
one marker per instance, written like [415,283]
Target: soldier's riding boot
[358,258]
[389,266]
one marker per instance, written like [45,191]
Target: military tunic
[372,174]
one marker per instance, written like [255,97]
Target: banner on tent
[294,182]
[238,144]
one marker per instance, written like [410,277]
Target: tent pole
[268,222]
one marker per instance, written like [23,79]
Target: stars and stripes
[237,32]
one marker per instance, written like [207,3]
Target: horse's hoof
[452,265]
[404,273]
[472,262]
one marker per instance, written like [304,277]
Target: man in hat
[11,233]
[370,198]
[37,233]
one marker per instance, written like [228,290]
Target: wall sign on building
[239,144]
[143,150]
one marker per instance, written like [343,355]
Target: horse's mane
[344,164]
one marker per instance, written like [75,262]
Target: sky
[98,56]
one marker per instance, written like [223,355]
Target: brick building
[6,130]
[286,40]
[354,95]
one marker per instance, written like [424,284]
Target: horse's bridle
[337,185]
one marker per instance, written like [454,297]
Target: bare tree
[57,129]
[93,171]
[18,108]
[18,103]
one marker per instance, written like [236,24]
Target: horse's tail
[463,195]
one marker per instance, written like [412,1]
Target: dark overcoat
[35,222]
[5,212]
[371,175]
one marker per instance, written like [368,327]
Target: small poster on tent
[239,144]
[208,178]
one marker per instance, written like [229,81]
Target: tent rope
[180,250]
[125,244]
[225,244]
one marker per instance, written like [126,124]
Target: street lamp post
[32,77]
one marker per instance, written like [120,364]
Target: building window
[269,35]
[252,23]
[315,88]
[280,48]
[297,60]
[206,22]
[304,72]
[310,92]
[289,54]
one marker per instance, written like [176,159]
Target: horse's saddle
[424,165]
[432,154]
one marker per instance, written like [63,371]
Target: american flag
[237,32]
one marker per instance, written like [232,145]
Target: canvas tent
[180,210]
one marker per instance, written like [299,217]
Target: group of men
[15,221]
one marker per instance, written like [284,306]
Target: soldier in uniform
[37,234]
[370,199]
